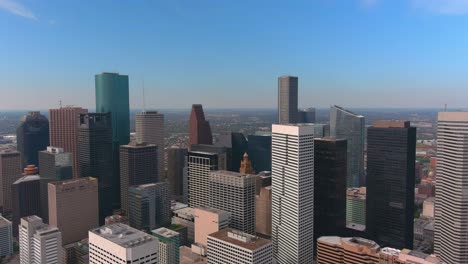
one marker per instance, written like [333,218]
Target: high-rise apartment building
[263,211]
[138,165]
[149,128]
[293,193]
[121,244]
[229,246]
[73,207]
[32,136]
[287,100]
[10,171]
[207,221]
[199,128]
[25,196]
[330,160]
[347,125]
[55,165]
[235,193]
[306,115]
[39,242]
[175,172]
[356,206]
[95,158]
[149,206]
[64,132]
[199,165]
[391,154]
[6,237]
[169,244]
[259,149]
[451,204]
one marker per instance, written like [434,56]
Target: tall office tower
[235,193]
[73,207]
[200,131]
[25,196]
[293,193]
[347,125]
[330,160]
[64,132]
[235,247]
[263,211]
[451,206]
[32,136]
[175,172]
[263,179]
[149,128]
[55,165]
[259,149]
[287,100]
[306,115]
[224,155]
[199,165]
[6,237]
[121,244]
[237,142]
[168,245]
[207,221]
[10,171]
[246,165]
[95,159]
[39,242]
[149,206]
[356,206]
[391,155]
[138,165]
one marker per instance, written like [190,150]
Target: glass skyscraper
[347,125]
[33,136]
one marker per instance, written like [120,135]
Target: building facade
[6,237]
[149,128]
[169,244]
[176,158]
[287,100]
[199,128]
[32,136]
[391,155]
[263,211]
[356,206]
[306,115]
[293,193]
[10,171]
[259,150]
[199,165]
[207,221]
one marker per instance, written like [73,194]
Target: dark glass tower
[391,154]
[259,149]
[238,144]
[32,136]
[287,100]
[95,159]
[330,161]
[200,130]
[175,172]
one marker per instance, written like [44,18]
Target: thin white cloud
[17,9]
[446,7]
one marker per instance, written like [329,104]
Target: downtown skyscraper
[347,125]
[199,128]
[199,165]
[149,128]
[391,156]
[10,171]
[32,136]
[451,206]
[293,193]
[287,100]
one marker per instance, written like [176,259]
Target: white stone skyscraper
[149,128]
[451,208]
[293,193]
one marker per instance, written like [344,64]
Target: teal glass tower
[112,96]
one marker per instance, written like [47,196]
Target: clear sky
[229,53]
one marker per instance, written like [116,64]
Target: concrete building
[287,100]
[428,207]
[207,221]
[10,171]
[199,165]
[235,193]
[356,206]
[6,237]
[32,136]
[347,125]
[39,242]
[199,128]
[149,128]
[121,244]
[293,193]
[185,217]
[64,131]
[452,173]
[176,158]
[138,165]
[149,206]
[169,244]
[73,207]
[391,155]
[263,211]
[229,246]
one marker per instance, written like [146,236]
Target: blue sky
[228,53]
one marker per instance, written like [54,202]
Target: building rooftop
[27,178]
[212,210]
[134,144]
[39,225]
[331,240]
[356,226]
[390,251]
[73,181]
[4,222]
[240,239]
[165,232]
[233,174]
[123,235]
[359,241]
[347,111]
[357,193]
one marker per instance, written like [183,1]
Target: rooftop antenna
[143,88]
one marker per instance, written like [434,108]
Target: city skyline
[214,52]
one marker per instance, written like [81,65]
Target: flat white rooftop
[123,235]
